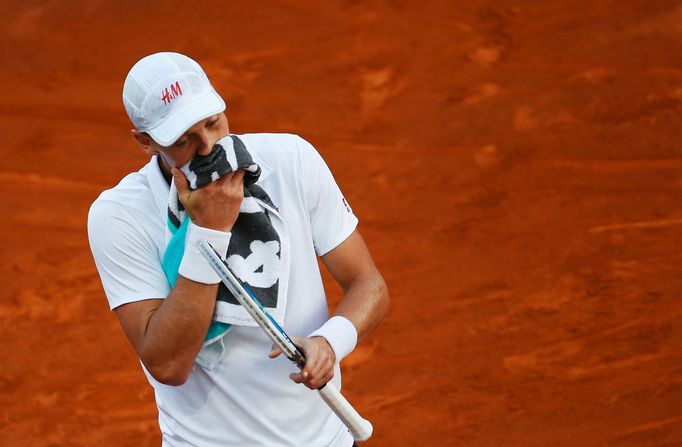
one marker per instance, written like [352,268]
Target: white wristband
[193,265]
[340,334]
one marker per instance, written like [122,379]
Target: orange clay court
[516,168]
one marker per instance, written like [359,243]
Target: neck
[165,170]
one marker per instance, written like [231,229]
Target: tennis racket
[360,428]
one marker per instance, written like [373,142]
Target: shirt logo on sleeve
[169,95]
[346,205]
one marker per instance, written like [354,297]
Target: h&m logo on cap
[168,95]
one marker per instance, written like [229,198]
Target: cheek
[217,133]
[222,128]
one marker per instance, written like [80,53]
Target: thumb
[275,351]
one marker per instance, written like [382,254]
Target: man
[269,205]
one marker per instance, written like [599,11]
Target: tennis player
[270,206]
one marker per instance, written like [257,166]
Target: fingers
[319,368]
[232,179]
[300,377]
[238,177]
[215,205]
[180,181]
[314,379]
[275,351]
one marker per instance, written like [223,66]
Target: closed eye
[180,143]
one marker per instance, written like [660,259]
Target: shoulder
[272,142]
[278,149]
[125,222]
[130,200]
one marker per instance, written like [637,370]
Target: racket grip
[360,428]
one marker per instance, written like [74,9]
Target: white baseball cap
[165,94]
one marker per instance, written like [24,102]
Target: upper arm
[340,246]
[332,222]
[134,318]
[128,266]
[350,259]
[365,300]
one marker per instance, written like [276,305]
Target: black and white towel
[258,250]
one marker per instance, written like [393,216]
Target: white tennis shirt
[247,399]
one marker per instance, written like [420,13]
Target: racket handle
[360,428]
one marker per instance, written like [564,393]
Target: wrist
[340,334]
[193,265]
[214,227]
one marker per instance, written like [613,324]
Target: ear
[145,142]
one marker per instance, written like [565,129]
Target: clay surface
[516,168]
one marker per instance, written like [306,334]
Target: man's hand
[216,205]
[319,366]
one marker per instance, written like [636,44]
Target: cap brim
[177,123]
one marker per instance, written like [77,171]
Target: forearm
[167,334]
[175,331]
[365,302]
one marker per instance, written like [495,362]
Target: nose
[204,143]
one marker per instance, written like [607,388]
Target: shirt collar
[265,170]
[157,183]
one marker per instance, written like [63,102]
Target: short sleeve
[127,263]
[331,217]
